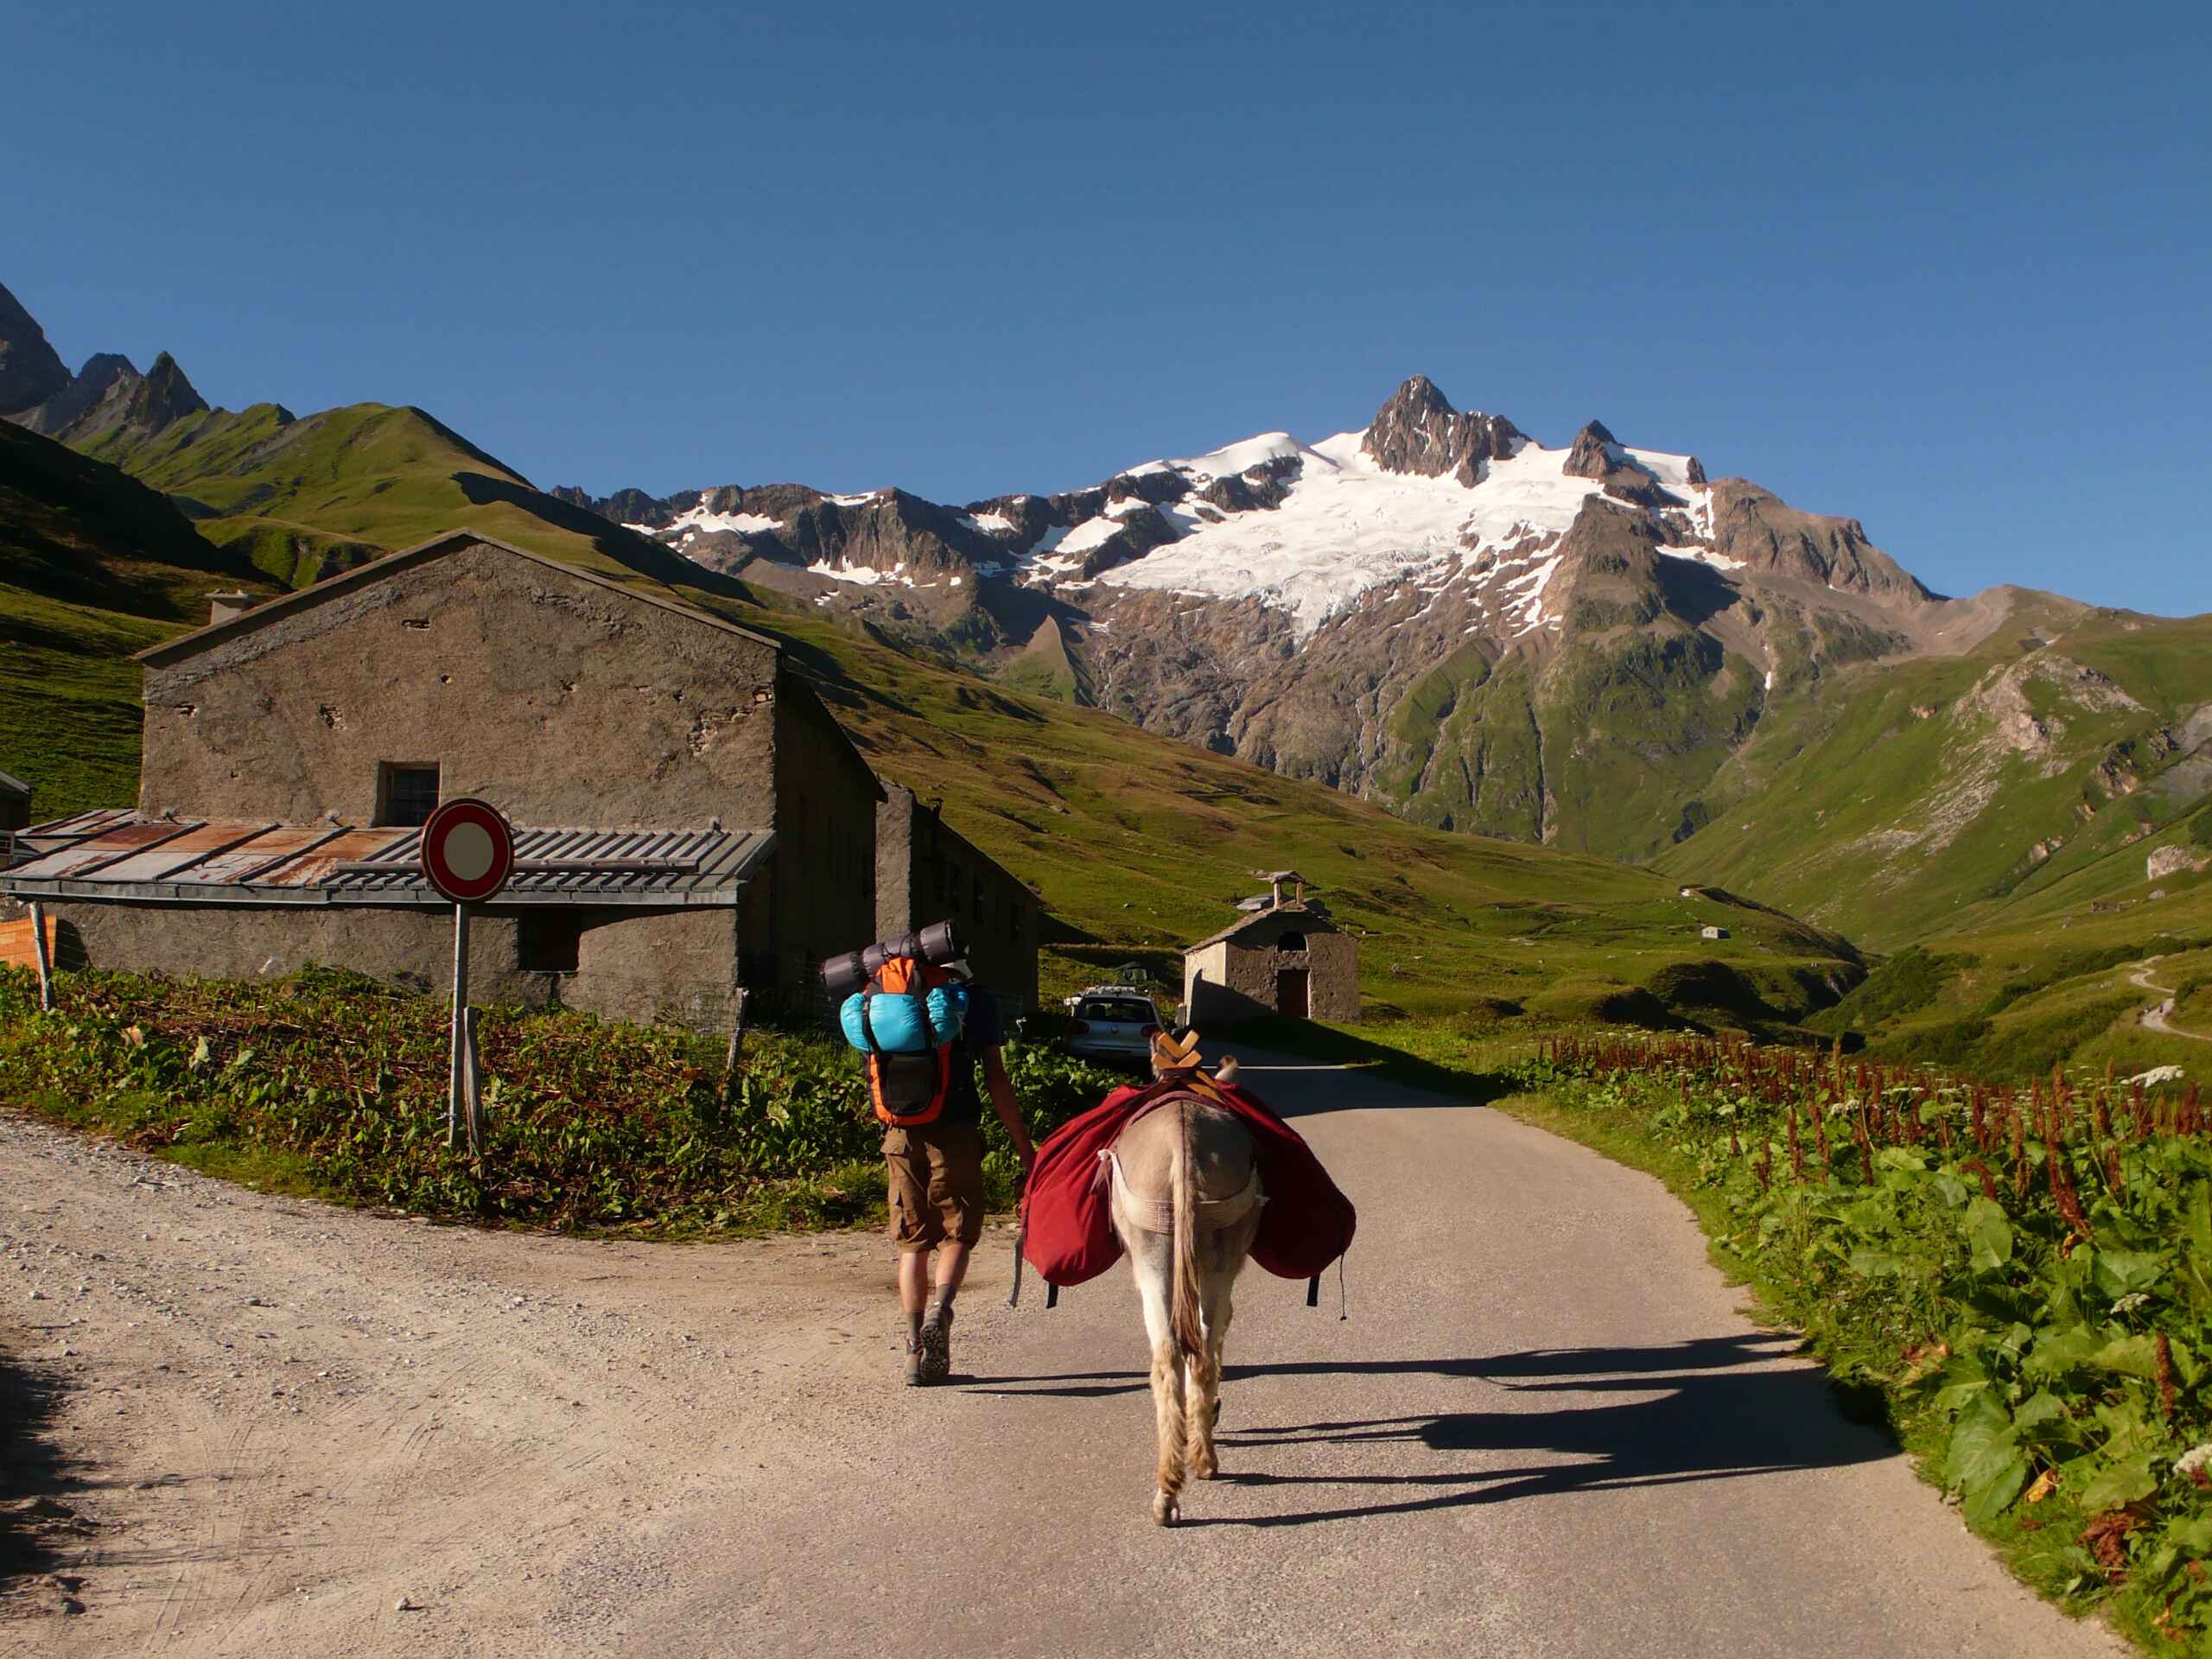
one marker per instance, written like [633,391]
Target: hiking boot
[914,1378]
[936,1345]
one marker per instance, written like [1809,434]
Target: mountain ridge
[1593,646]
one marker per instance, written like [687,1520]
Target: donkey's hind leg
[1151,1257]
[1203,1411]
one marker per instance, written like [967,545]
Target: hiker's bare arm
[1009,1108]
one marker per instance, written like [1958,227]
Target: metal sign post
[468,853]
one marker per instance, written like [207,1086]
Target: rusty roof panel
[117,855]
[178,853]
[319,867]
[261,858]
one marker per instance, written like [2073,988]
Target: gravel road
[2154,1017]
[1546,1429]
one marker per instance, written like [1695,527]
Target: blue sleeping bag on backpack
[904,1023]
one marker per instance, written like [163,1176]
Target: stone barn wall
[561,700]
[925,871]
[631,963]
[566,702]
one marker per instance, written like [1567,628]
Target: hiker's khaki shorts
[936,1185]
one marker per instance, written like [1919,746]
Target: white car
[1115,1023]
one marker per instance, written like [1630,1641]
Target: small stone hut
[1284,958]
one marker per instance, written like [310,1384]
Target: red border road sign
[468,850]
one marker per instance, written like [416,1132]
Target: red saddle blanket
[1068,1233]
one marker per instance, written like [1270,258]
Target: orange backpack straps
[908,1090]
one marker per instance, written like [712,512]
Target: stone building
[1284,958]
[691,817]
[925,871]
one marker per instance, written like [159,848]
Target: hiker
[936,1178]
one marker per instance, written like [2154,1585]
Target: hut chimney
[221,607]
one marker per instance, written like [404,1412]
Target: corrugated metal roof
[215,861]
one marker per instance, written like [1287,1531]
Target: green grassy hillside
[1142,844]
[307,497]
[1934,788]
[94,566]
[2058,972]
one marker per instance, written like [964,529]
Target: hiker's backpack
[906,1022]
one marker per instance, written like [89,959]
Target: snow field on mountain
[1347,525]
[699,521]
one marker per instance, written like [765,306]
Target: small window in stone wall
[1291,942]
[406,793]
[547,941]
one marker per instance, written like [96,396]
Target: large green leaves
[1985,1463]
[2123,1483]
[1989,1236]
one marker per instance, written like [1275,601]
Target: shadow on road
[33,1519]
[1282,1062]
[1709,1409]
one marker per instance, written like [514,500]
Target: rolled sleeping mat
[900,1023]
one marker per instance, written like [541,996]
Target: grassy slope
[92,568]
[1894,812]
[2045,973]
[1144,843]
[347,483]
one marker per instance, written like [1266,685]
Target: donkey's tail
[1184,1299]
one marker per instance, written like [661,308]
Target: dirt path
[1544,1426]
[2154,1017]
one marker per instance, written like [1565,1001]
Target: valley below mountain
[1591,647]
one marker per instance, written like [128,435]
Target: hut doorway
[1290,992]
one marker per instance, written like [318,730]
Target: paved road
[1545,1430]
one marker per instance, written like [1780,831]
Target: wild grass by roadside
[334,1086]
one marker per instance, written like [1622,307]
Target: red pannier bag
[1068,1231]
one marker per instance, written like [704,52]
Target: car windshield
[1120,1009]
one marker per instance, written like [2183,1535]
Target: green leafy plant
[2025,1272]
[340,1083]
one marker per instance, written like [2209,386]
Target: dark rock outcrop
[31,371]
[140,404]
[1771,536]
[82,395]
[1417,431]
[1598,455]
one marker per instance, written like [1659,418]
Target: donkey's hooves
[1165,1512]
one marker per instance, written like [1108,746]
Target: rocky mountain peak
[164,397]
[1419,431]
[30,369]
[70,405]
[1596,453]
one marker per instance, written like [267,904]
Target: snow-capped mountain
[1435,609]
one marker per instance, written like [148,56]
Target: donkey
[1185,1202]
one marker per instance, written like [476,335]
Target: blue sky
[1941,268]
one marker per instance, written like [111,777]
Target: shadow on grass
[1713,1408]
